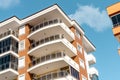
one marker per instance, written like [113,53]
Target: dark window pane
[114,20]
[118,17]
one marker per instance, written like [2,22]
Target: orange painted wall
[79,55]
[113,9]
[24,53]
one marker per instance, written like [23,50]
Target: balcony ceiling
[51,66]
[89,47]
[48,31]
[51,48]
[47,14]
[7,75]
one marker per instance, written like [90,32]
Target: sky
[92,17]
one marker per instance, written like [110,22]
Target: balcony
[54,61]
[116,32]
[51,44]
[88,46]
[59,75]
[9,33]
[9,45]
[8,71]
[93,70]
[49,28]
[91,59]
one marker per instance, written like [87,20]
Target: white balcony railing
[46,58]
[52,57]
[93,70]
[52,25]
[91,59]
[56,75]
[7,33]
[42,41]
[9,65]
[35,44]
[44,24]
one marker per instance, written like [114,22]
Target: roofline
[113,4]
[14,16]
[110,6]
[59,8]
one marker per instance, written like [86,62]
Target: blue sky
[91,15]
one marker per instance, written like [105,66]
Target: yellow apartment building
[114,14]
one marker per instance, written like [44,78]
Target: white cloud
[8,3]
[93,17]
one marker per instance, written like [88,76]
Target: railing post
[9,64]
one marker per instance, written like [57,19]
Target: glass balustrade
[53,75]
[44,24]
[8,65]
[45,40]
[46,58]
[9,32]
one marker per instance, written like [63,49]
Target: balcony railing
[116,25]
[44,24]
[48,39]
[8,65]
[53,75]
[9,32]
[8,48]
[46,58]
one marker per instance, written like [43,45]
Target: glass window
[74,73]
[79,48]
[0,61]
[22,30]
[21,77]
[21,62]
[81,63]
[84,78]
[118,17]
[21,45]
[94,77]
[78,34]
[114,20]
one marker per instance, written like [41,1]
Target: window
[81,63]
[21,62]
[7,44]
[6,61]
[21,45]
[116,20]
[21,77]
[22,30]
[118,17]
[79,48]
[94,77]
[74,73]
[78,34]
[84,78]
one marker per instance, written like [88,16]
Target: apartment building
[114,14]
[47,45]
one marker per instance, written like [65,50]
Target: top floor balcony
[51,27]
